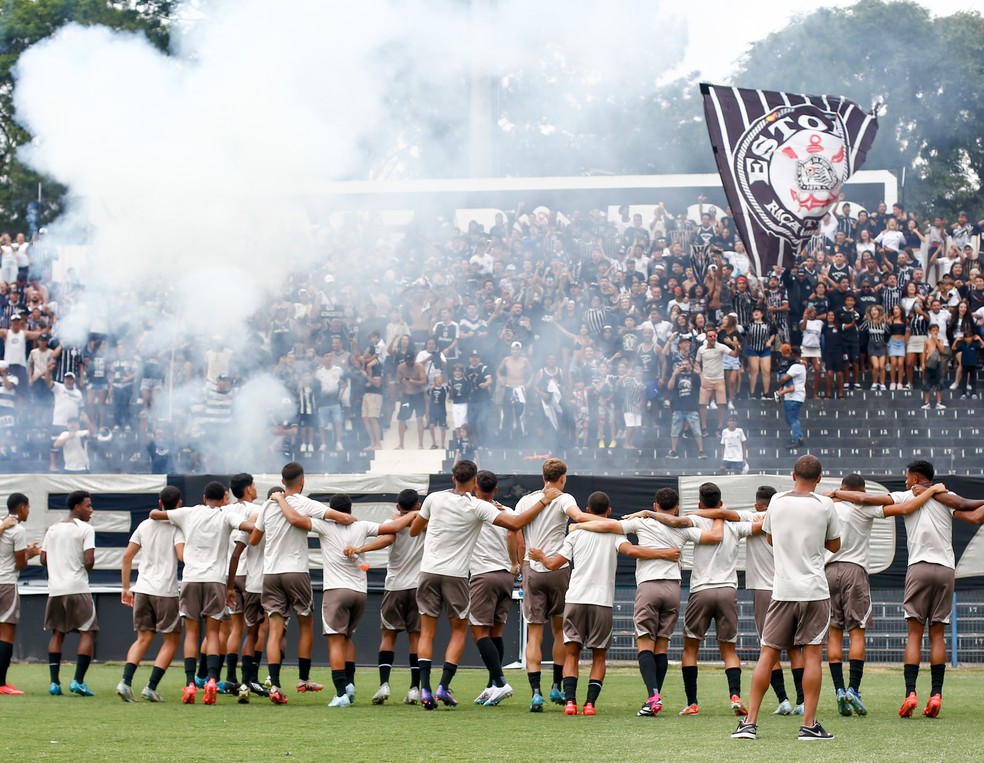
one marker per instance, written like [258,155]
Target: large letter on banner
[783,158]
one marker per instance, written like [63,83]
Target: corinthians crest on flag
[783,159]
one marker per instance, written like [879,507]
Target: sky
[714,54]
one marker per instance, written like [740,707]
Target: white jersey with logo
[206,530]
[653,534]
[454,522]
[547,531]
[339,570]
[286,548]
[929,531]
[13,540]
[800,525]
[158,561]
[595,557]
[65,545]
[855,523]
[716,564]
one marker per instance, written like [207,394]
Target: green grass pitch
[37,727]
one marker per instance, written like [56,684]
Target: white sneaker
[322,448]
[874,387]
[342,701]
[927,407]
[350,692]
[713,406]
[731,407]
[413,697]
[486,693]
[497,694]
[940,407]
[893,387]
[382,694]
[955,385]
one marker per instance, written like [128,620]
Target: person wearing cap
[38,362]
[68,402]
[515,374]
[15,341]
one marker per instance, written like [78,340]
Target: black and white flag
[783,159]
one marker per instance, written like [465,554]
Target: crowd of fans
[542,329]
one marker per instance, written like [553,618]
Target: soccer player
[713,596]
[591,597]
[800,525]
[657,602]
[154,597]
[850,589]
[243,489]
[453,521]
[68,551]
[206,587]
[544,590]
[929,577]
[287,577]
[398,609]
[14,554]
[494,567]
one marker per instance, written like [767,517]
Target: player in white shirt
[345,584]
[544,590]
[453,521]
[14,554]
[287,576]
[243,490]
[591,597]
[735,447]
[657,602]
[154,597]
[68,551]
[206,586]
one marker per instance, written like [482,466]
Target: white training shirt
[491,552]
[158,561]
[547,531]
[206,531]
[716,564]
[454,522]
[286,548]
[929,531]
[14,539]
[797,376]
[855,522]
[65,544]
[654,534]
[799,526]
[339,570]
[595,557]
[242,511]
[760,564]
[403,567]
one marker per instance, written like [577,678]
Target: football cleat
[427,700]
[653,705]
[934,706]
[382,694]
[81,689]
[570,708]
[785,708]
[341,700]
[211,692]
[350,692]
[258,689]
[10,690]
[589,709]
[486,693]
[498,694]
[189,694]
[150,695]
[557,696]
[738,707]
[276,696]
[445,696]
[690,710]
[55,690]
[536,704]
[243,694]
[125,692]
[413,696]
[303,686]
[855,699]
[843,704]
[910,704]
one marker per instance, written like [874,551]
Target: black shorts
[412,405]
[853,351]
[438,416]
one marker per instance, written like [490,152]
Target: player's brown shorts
[341,610]
[490,596]
[761,599]
[434,592]
[589,625]
[287,593]
[928,594]
[657,608]
[717,604]
[796,623]
[9,604]
[156,613]
[239,588]
[544,593]
[850,595]
[71,613]
[398,611]
[252,608]
[198,600]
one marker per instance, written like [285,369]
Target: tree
[926,72]
[23,23]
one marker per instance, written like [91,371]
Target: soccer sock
[734,681]
[190,663]
[594,689]
[837,674]
[447,674]
[690,683]
[257,661]
[81,666]
[6,654]
[570,689]
[213,664]
[156,674]
[534,679]
[857,671]
[798,684]
[202,665]
[647,667]
[414,671]
[500,647]
[232,662]
[274,668]
[936,673]
[558,675]
[247,668]
[339,681]
[911,673]
[349,671]
[304,668]
[385,666]
[778,683]
[490,657]
[425,674]
[662,665]
[54,666]
[128,670]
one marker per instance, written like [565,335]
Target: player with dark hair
[15,551]
[154,597]
[453,521]
[591,597]
[68,551]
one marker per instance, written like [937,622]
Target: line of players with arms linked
[246,573]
